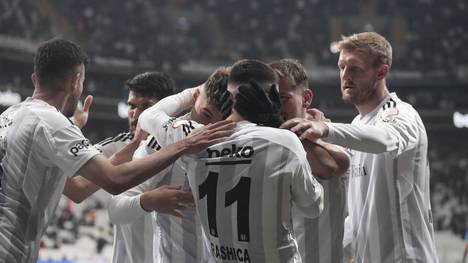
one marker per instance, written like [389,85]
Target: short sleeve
[67,148]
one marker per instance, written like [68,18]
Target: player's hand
[167,199]
[208,135]
[306,129]
[80,116]
[315,114]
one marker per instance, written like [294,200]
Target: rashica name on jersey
[230,253]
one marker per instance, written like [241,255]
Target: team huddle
[238,169]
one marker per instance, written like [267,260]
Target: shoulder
[181,125]
[121,137]
[42,115]
[281,137]
[394,108]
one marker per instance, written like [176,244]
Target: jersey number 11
[240,194]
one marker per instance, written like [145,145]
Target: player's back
[244,188]
[39,148]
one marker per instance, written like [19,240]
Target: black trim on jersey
[168,123]
[124,136]
[187,128]
[229,162]
[153,144]
[390,104]
[71,121]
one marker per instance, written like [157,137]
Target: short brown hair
[216,85]
[370,42]
[291,68]
[248,70]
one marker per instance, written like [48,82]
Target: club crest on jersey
[390,111]
[5,121]
[234,151]
[77,147]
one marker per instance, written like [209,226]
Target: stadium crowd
[224,31]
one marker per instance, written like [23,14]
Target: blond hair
[216,85]
[371,42]
[291,68]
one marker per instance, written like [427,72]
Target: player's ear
[195,95]
[383,71]
[307,97]
[74,81]
[34,79]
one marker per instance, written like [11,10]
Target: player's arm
[397,136]
[322,163]
[155,117]
[341,157]
[326,160]
[116,179]
[131,204]
[306,191]
[79,188]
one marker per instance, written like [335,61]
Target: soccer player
[133,242]
[389,207]
[41,148]
[244,187]
[319,239]
[180,237]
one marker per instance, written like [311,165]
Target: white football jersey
[133,241]
[321,239]
[181,239]
[388,196]
[39,148]
[112,145]
[244,188]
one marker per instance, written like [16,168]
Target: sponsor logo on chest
[233,151]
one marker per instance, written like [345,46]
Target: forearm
[342,159]
[124,209]
[79,188]
[152,118]
[116,179]
[321,162]
[365,138]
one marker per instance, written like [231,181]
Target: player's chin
[348,97]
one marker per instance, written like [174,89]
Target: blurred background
[189,39]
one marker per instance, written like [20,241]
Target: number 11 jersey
[244,188]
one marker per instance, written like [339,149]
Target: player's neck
[368,106]
[56,99]
[235,117]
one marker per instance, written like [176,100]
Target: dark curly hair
[152,84]
[55,60]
